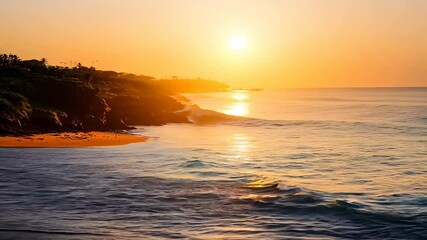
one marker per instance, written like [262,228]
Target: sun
[238,42]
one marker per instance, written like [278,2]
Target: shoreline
[70,140]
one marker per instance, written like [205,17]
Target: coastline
[70,140]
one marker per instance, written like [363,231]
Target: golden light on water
[241,143]
[240,96]
[240,106]
[237,109]
[240,147]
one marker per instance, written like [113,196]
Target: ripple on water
[194,164]
[139,206]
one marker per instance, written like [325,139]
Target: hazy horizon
[279,44]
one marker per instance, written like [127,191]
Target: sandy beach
[79,139]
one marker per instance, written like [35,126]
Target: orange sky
[323,43]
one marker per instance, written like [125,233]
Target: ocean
[290,164]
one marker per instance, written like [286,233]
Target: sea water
[292,164]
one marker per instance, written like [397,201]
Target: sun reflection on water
[240,106]
[237,109]
[240,96]
[241,143]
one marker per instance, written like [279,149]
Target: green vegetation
[36,97]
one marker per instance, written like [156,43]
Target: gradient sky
[324,43]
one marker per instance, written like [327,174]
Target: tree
[4,59]
[13,59]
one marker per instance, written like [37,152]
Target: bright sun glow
[238,42]
[237,109]
[240,106]
[240,96]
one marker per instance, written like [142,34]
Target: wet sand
[79,139]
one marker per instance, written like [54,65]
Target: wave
[162,207]
[358,126]
[198,115]
[391,114]
[338,100]
[201,116]
[22,233]
[350,218]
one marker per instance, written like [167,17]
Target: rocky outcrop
[57,106]
[144,110]
[36,98]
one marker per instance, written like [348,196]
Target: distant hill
[36,97]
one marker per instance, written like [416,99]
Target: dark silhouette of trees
[9,60]
[44,61]
[12,65]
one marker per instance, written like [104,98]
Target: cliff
[37,98]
